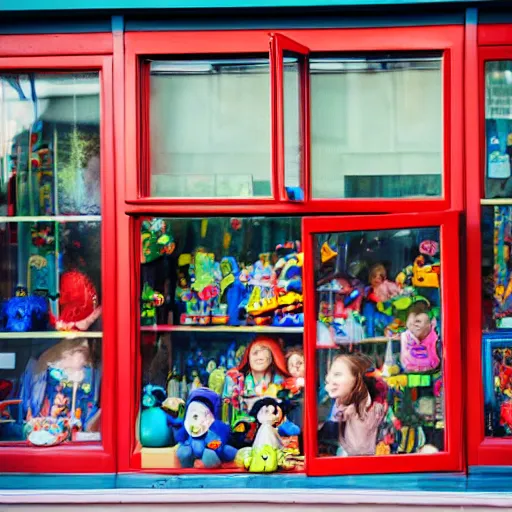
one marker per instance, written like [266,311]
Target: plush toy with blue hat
[203,436]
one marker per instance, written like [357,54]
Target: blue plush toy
[25,313]
[204,437]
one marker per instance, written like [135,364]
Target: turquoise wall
[69,5]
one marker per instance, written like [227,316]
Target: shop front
[256,254]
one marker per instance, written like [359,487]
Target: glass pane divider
[52,218]
[50,334]
[496,202]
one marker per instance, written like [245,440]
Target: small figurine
[263,456]
[418,351]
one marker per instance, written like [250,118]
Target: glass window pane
[497,317]
[292,127]
[498,128]
[221,339]
[50,259]
[49,144]
[50,332]
[376,127]
[379,347]
[210,128]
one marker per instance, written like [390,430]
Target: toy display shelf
[52,218]
[333,346]
[50,334]
[222,328]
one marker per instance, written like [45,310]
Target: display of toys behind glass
[58,397]
[226,292]
[239,408]
[502,278]
[46,297]
[378,315]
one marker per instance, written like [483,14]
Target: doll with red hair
[261,372]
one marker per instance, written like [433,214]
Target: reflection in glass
[49,144]
[498,128]
[210,128]
[221,344]
[292,127]
[376,126]
[379,347]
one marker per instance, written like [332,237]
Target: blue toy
[154,428]
[25,313]
[203,436]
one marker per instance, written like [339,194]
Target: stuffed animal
[203,436]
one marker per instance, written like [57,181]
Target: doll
[419,342]
[359,404]
[381,289]
[261,372]
[295,366]
[64,380]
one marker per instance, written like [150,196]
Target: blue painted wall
[69,5]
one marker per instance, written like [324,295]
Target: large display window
[238,143]
[56,344]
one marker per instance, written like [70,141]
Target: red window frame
[449,39]
[69,53]
[452,458]
[278,45]
[482,450]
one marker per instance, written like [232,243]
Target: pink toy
[418,343]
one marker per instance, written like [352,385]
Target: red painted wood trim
[55,44]
[448,39]
[495,34]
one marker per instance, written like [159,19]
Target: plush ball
[154,431]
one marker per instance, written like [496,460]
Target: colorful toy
[78,302]
[156,240]
[25,313]
[203,437]
[419,342]
[154,429]
[150,301]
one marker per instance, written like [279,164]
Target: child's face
[296,365]
[378,276]
[419,325]
[339,381]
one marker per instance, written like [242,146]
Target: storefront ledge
[261,496]
[411,482]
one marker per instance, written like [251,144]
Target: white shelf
[52,218]
[499,201]
[50,335]
[223,328]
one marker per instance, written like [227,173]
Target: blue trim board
[479,479]
[56,482]
[102,5]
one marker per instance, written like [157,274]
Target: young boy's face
[419,325]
